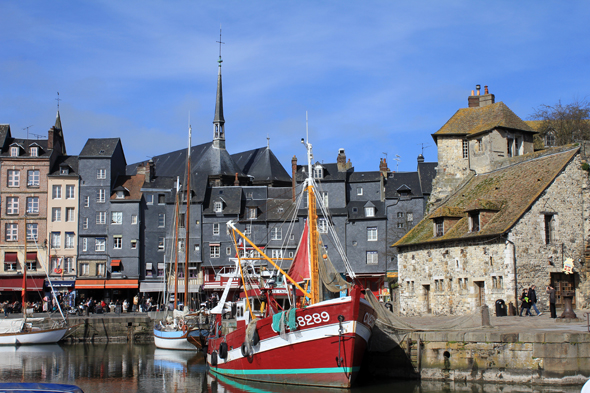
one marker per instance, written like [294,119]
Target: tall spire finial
[267,141]
[220,42]
[58,100]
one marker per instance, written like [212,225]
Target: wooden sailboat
[26,330]
[181,331]
[319,342]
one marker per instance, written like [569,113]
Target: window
[70,190]
[549,221]
[439,285]
[64,170]
[101,218]
[70,214]
[14,151]
[218,207]
[248,230]
[509,146]
[33,205]
[227,250]
[181,244]
[276,234]
[149,199]
[85,223]
[161,199]
[11,205]
[120,194]
[215,251]
[133,244]
[100,195]
[84,244]
[372,234]
[70,240]
[474,221]
[325,198]
[410,217]
[400,224]
[182,220]
[86,201]
[34,151]
[84,269]
[100,244]
[55,239]
[252,213]
[497,282]
[161,220]
[149,272]
[216,229]
[322,225]
[116,218]
[318,172]
[276,254]
[56,214]
[13,178]
[101,173]
[33,178]
[161,243]
[359,191]
[369,212]
[372,258]
[549,139]
[56,192]
[69,264]
[117,242]
[134,219]
[100,269]
[32,232]
[439,228]
[400,214]
[465,149]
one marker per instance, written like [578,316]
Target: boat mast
[312,217]
[24,293]
[188,209]
[176,203]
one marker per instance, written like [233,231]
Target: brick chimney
[147,169]
[236,181]
[383,166]
[341,160]
[293,177]
[50,136]
[476,100]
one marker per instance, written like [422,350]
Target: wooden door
[562,282]
[480,293]
[427,298]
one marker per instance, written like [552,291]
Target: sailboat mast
[24,293]
[313,219]
[176,212]
[188,209]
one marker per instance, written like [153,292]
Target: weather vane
[220,42]
[58,100]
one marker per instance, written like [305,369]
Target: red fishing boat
[315,341]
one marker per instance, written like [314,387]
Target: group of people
[529,300]
[100,307]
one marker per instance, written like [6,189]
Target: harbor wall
[532,358]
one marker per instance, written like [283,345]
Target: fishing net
[250,331]
[332,280]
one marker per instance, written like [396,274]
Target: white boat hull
[174,340]
[49,336]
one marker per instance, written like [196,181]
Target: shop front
[11,288]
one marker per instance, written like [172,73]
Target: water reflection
[143,368]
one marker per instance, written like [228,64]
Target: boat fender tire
[214,358]
[255,338]
[223,350]
[244,349]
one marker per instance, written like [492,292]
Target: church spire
[218,120]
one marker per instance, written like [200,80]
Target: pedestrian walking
[526,303]
[533,297]
[551,293]
[135,303]
[125,305]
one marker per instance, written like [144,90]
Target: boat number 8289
[313,319]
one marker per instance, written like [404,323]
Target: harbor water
[114,368]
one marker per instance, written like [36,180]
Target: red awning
[121,284]
[115,262]
[31,257]
[89,284]
[16,284]
[10,257]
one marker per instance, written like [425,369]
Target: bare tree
[561,124]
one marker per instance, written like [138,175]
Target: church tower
[218,120]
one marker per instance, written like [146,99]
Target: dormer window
[369,211]
[14,151]
[120,194]
[474,221]
[318,172]
[218,207]
[550,139]
[34,151]
[64,170]
[252,213]
[439,227]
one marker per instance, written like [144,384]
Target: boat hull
[177,340]
[322,351]
[49,336]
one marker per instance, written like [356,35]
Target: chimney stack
[477,100]
[341,160]
[383,166]
[294,177]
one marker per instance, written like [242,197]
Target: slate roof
[361,177]
[131,185]
[396,180]
[231,198]
[280,209]
[99,147]
[262,164]
[512,189]
[70,161]
[25,145]
[330,173]
[426,174]
[356,210]
[4,134]
[214,162]
[472,121]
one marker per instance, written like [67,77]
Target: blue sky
[375,76]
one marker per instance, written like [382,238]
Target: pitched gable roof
[100,147]
[262,164]
[512,189]
[472,121]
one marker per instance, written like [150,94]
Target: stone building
[508,223]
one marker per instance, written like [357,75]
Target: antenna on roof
[423,147]
[58,100]
[398,159]
[27,129]
[37,135]
[220,42]
[385,154]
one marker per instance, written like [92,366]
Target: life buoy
[223,350]
[58,271]
[184,328]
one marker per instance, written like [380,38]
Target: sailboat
[314,342]
[179,331]
[26,330]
